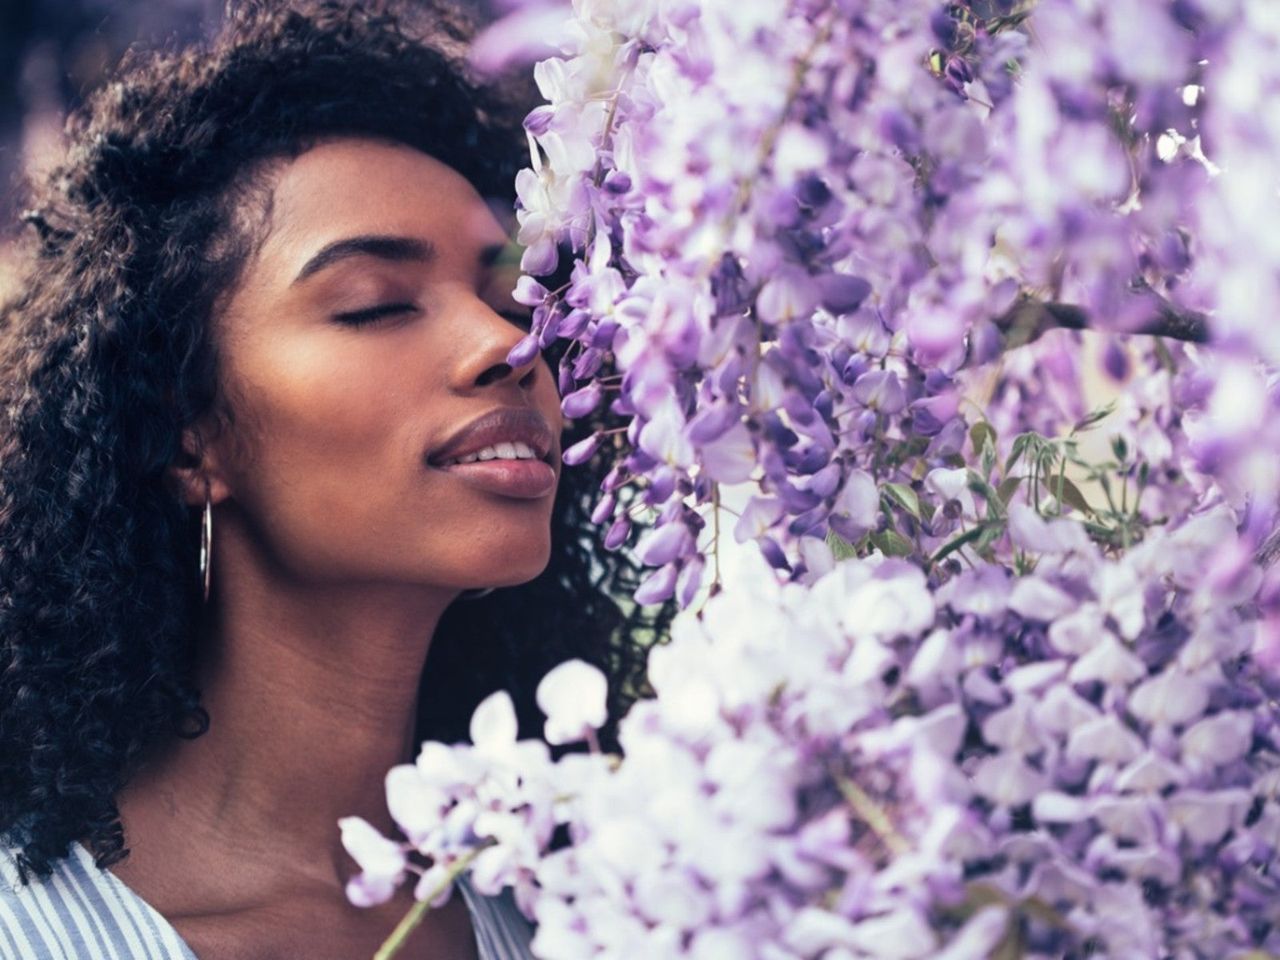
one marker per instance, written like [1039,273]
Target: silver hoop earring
[206,544]
[475,594]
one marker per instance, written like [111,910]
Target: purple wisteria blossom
[1083,760]
[800,232]
[996,672]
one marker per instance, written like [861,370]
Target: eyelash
[358,318]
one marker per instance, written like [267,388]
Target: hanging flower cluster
[795,226]
[1083,760]
[982,690]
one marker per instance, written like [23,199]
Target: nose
[489,338]
[525,376]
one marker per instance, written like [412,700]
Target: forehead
[346,188]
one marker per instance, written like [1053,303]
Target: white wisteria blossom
[863,764]
[999,673]
[573,697]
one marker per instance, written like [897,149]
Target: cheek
[309,398]
[330,471]
[325,432]
[548,396]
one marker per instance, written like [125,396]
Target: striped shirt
[83,913]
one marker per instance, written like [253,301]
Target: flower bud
[602,336]
[581,451]
[529,292]
[549,328]
[617,182]
[524,351]
[772,553]
[661,486]
[565,381]
[658,586]
[539,119]
[618,533]
[842,292]
[604,509]
[689,580]
[588,364]
[574,323]
[581,402]
[664,544]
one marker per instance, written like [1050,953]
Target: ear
[195,473]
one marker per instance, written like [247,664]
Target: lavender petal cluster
[1080,761]
[795,227]
[997,675]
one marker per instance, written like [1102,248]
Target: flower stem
[393,944]
[873,815]
[715,521]
[598,173]
[769,138]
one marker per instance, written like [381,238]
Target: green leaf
[1094,417]
[1047,456]
[980,434]
[951,546]
[991,532]
[906,450]
[905,497]
[840,547]
[1067,492]
[988,493]
[1008,486]
[892,544]
[1120,447]
[988,460]
[1019,448]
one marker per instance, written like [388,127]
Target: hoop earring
[475,594]
[206,544]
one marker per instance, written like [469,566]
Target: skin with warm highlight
[338,546]
[341,412]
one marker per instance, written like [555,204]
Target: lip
[505,425]
[529,479]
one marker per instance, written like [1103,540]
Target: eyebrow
[397,249]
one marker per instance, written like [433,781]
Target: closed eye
[358,318]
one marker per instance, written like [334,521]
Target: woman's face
[364,339]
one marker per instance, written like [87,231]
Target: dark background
[53,52]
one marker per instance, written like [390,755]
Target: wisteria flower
[573,697]
[995,674]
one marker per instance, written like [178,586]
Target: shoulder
[78,912]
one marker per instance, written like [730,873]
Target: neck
[311,691]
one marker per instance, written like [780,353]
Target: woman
[267,302]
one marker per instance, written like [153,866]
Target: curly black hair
[105,357]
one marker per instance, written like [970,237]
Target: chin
[513,562]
